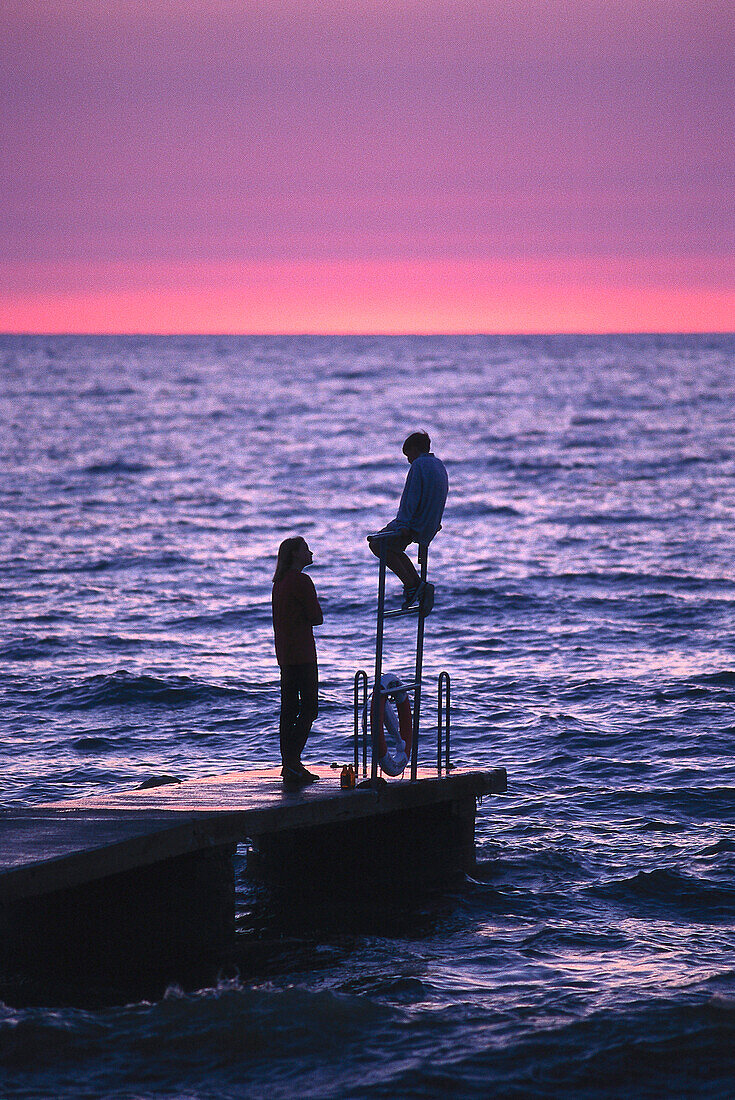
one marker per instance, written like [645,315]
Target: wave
[120,644]
[688,895]
[187,1038]
[117,466]
[29,647]
[235,1040]
[475,509]
[720,846]
[475,594]
[163,560]
[93,744]
[666,1047]
[553,940]
[693,803]
[726,678]
[604,519]
[718,686]
[640,578]
[538,861]
[123,688]
[239,616]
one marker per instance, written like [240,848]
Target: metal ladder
[361,680]
[415,687]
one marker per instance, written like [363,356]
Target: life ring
[394,758]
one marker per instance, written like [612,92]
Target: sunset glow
[362,167]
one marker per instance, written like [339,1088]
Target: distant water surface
[585,610]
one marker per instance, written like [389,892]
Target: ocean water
[585,610]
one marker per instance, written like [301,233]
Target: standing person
[295,611]
[418,520]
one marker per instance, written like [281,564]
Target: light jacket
[423,499]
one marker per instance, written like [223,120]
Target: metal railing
[361,681]
[443,707]
[360,720]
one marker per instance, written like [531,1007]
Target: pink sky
[367,166]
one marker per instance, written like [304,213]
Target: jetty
[145,877]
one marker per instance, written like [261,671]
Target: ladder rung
[397,691]
[401,611]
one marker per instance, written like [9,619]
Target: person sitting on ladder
[418,520]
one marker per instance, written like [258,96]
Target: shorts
[394,541]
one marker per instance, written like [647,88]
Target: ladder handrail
[378,660]
[361,680]
[442,720]
[424,563]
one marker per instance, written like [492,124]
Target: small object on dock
[157,781]
[347,777]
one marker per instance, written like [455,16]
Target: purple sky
[215,134]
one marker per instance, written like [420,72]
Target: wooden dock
[149,872]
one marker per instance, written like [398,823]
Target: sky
[368,166]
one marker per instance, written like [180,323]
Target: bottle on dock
[347,777]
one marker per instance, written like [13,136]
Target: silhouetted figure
[296,611]
[418,520]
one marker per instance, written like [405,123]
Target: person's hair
[417,441]
[286,551]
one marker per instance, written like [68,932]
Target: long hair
[286,552]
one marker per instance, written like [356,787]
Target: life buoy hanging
[395,720]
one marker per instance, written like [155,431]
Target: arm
[309,602]
[410,500]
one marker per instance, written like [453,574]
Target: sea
[585,611]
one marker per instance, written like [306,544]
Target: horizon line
[386,335]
